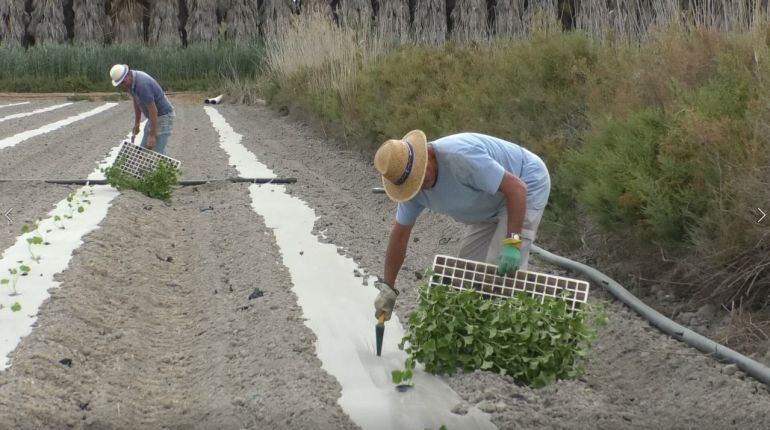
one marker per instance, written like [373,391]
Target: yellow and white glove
[385,301]
[510,256]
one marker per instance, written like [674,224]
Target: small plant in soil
[16,307]
[57,221]
[37,239]
[534,342]
[15,272]
[34,240]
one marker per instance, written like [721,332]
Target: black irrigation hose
[182,183]
[753,368]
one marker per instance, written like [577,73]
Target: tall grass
[632,21]
[314,61]
[85,68]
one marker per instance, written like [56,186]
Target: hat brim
[413,183]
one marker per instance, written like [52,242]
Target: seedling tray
[137,161]
[469,275]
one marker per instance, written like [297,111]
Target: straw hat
[402,165]
[118,73]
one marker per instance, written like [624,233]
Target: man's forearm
[516,210]
[152,110]
[515,193]
[394,256]
[137,115]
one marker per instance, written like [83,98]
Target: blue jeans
[165,124]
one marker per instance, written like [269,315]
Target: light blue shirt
[470,170]
[146,90]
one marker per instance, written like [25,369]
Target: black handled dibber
[379,332]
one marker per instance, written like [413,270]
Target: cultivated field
[213,311]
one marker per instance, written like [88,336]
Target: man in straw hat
[150,100]
[495,187]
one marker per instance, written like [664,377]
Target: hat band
[408,168]
[123,75]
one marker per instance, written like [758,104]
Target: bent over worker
[150,100]
[495,187]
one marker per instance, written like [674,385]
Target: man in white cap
[495,187]
[150,100]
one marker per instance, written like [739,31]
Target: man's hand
[385,301]
[510,257]
[151,142]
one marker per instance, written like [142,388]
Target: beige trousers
[483,240]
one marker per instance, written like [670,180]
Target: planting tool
[379,332]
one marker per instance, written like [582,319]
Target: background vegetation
[654,131]
[72,68]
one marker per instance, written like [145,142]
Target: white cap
[118,72]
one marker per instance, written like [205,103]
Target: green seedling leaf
[24,229]
[80,209]
[397,376]
[35,240]
[24,269]
[4,281]
[16,307]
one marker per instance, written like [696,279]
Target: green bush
[661,141]
[657,169]
[535,343]
[519,90]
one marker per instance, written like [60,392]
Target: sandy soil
[155,316]
[69,152]
[12,126]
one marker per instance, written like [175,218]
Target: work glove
[510,257]
[385,301]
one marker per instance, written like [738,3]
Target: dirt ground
[155,316]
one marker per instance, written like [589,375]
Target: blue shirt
[145,90]
[470,170]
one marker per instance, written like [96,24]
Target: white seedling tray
[469,275]
[136,161]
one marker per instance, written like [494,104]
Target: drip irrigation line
[753,368]
[182,183]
